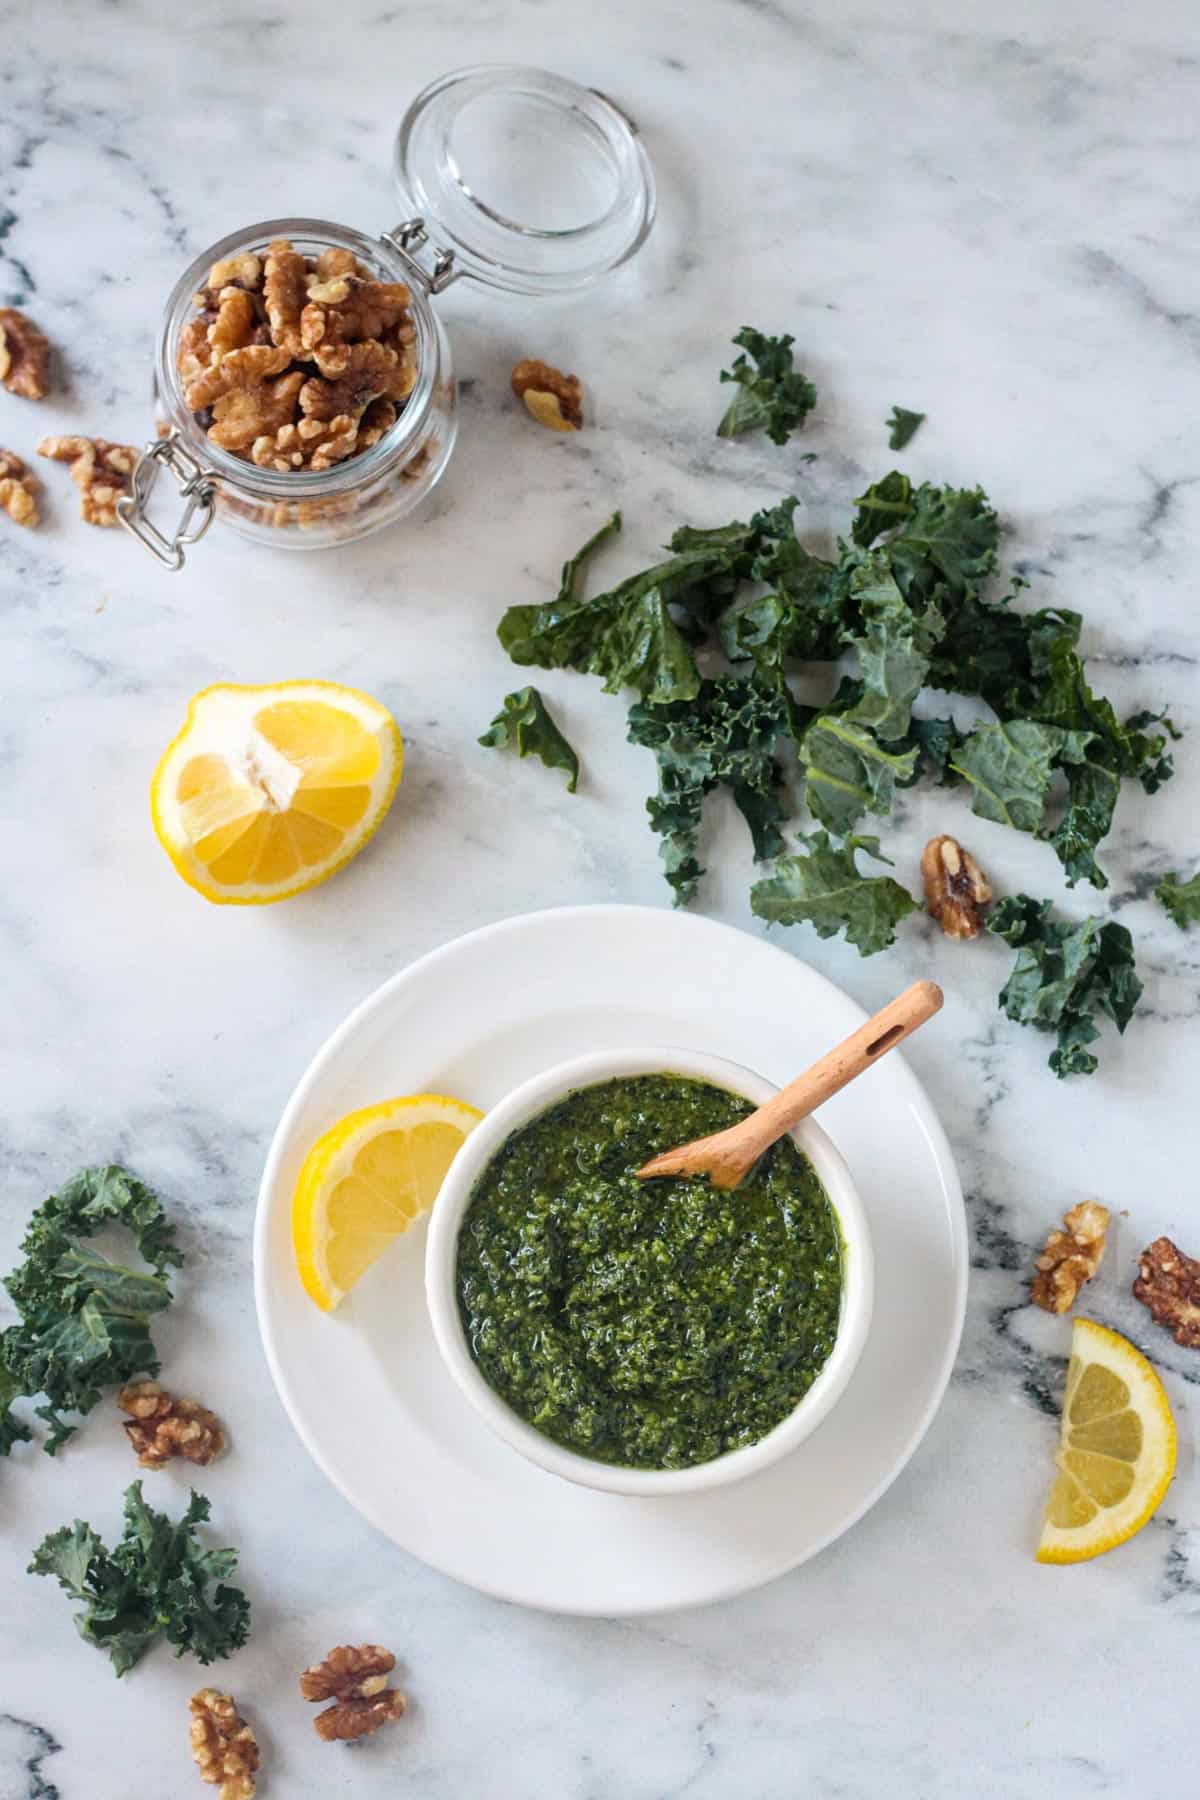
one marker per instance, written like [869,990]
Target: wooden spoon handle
[889,1027]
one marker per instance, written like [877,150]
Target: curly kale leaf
[1011,766]
[849,772]
[160,1581]
[725,736]
[1063,975]
[629,635]
[903,427]
[936,742]
[1093,788]
[894,648]
[885,506]
[84,1321]
[772,396]
[1181,898]
[803,618]
[12,1430]
[525,721]
[825,888]
[946,548]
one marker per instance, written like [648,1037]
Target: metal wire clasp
[196,484]
[408,237]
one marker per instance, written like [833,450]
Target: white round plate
[364,1386]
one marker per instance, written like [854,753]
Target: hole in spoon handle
[884,1042]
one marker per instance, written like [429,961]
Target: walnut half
[161,1426]
[223,1745]
[24,355]
[355,1678]
[1071,1257]
[101,471]
[18,490]
[553,399]
[956,888]
[1169,1284]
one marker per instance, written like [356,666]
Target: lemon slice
[364,1183]
[268,790]
[1116,1453]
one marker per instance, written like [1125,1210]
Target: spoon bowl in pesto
[646,1337]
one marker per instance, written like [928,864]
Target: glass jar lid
[536,185]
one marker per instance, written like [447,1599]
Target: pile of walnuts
[297,363]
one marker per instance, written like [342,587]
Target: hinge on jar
[196,484]
[408,237]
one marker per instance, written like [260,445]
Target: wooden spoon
[727,1156]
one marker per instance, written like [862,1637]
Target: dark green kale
[12,1430]
[524,720]
[1181,898]
[725,736]
[629,635]
[848,771]
[160,1581]
[1063,975]
[1011,767]
[772,396]
[894,644]
[946,548]
[85,1321]
[803,618]
[903,427]
[885,506]
[937,743]
[906,599]
[825,888]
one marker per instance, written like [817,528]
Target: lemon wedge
[364,1183]
[268,790]
[1116,1452]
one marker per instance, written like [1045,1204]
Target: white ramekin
[525,1103]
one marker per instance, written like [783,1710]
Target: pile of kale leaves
[908,603]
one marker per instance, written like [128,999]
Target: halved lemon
[1116,1453]
[268,790]
[364,1183]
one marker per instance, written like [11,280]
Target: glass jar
[534,186]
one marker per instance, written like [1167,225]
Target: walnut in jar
[289,360]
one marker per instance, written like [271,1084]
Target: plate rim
[931,1127]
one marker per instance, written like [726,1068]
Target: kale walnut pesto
[654,1324]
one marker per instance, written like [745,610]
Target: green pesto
[654,1324]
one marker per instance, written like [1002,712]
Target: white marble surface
[989,215]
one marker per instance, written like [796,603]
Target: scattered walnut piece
[24,355]
[554,399]
[355,1678]
[18,490]
[101,471]
[161,1426]
[223,1745]
[1071,1257]
[956,888]
[1169,1284]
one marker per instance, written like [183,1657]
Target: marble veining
[987,216]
